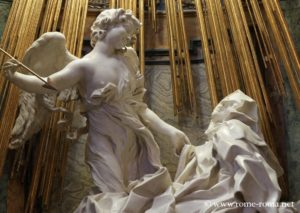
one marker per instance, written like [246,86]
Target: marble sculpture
[234,165]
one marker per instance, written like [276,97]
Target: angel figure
[233,167]
[121,148]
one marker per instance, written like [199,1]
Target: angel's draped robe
[120,148]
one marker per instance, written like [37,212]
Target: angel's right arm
[60,80]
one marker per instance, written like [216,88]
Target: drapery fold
[233,167]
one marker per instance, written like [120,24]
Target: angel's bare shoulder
[80,63]
[83,64]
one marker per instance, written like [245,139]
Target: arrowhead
[47,86]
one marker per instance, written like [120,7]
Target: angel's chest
[100,75]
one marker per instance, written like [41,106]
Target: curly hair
[110,18]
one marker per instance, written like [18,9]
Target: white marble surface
[233,168]
[159,98]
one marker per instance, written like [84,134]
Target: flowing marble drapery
[234,166]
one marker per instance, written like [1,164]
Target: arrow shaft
[28,69]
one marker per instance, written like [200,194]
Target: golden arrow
[46,85]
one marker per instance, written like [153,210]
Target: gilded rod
[45,178]
[181,53]
[63,21]
[287,36]
[253,88]
[238,47]
[46,133]
[53,165]
[64,157]
[46,17]
[10,111]
[4,44]
[134,7]
[150,10]
[210,30]
[130,5]
[50,150]
[180,65]
[21,45]
[27,159]
[29,15]
[72,36]
[81,33]
[10,20]
[244,50]
[31,25]
[70,30]
[260,45]
[7,33]
[176,101]
[283,54]
[190,84]
[49,18]
[51,154]
[267,41]
[9,91]
[75,29]
[14,164]
[52,15]
[70,19]
[207,56]
[12,48]
[41,151]
[56,17]
[229,58]
[154,22]
[142,37]
[217,41]
[21,162]
[22,32]
[65,18]
[3,98]
[257,70]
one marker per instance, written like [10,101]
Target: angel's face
[117,37]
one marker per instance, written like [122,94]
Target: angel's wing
[47,55]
